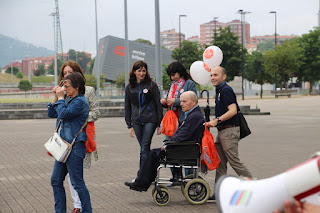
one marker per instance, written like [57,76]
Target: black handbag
[244,128]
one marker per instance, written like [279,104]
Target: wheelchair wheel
[183,185]
[161,186]
[161,198]
[197,191]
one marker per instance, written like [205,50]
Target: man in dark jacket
[188,131]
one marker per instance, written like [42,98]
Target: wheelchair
[193,187]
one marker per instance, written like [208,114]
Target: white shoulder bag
[59,148]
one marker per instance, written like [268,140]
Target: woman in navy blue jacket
[143,111]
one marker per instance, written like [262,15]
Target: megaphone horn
[302,183]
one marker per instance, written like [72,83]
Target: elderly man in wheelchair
[183,150]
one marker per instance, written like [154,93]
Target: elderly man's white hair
[191,95]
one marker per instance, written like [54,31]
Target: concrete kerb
[10,111]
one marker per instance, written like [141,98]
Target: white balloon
[212,56]
[200,72]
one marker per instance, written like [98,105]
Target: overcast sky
[29,20]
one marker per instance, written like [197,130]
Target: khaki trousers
[227,147]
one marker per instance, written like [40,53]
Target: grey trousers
[227,147]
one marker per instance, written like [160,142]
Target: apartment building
[13,64]
[194,39]
[31,64]
[207,30]
[170,39]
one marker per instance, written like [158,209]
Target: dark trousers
[144,134]
[148,171]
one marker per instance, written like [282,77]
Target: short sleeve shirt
[225,96]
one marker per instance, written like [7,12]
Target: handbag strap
[58,126]
[222,88]
[218,93]
[85,123]
[169,106]
[238,108]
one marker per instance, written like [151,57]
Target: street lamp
[28,59]
[97,53]
[126,44]
[275,27]
[158,46]
[28,56]
[180,30]
[215,30]
[29,70]
[243,13]
[55,50]
[11,64]
[275,43]
[242,89]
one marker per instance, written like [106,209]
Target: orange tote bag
[169,123]
[209,152]
[91,137]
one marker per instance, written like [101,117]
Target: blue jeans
[73,166]
[144,134]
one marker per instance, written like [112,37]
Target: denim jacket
[73,114]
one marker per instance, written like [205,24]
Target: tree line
[275,64]
[299,57]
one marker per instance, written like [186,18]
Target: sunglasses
[61,83]
[66,86]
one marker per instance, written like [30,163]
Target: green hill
[19,50]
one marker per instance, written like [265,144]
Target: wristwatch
[219,121]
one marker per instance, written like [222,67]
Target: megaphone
[301,183]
